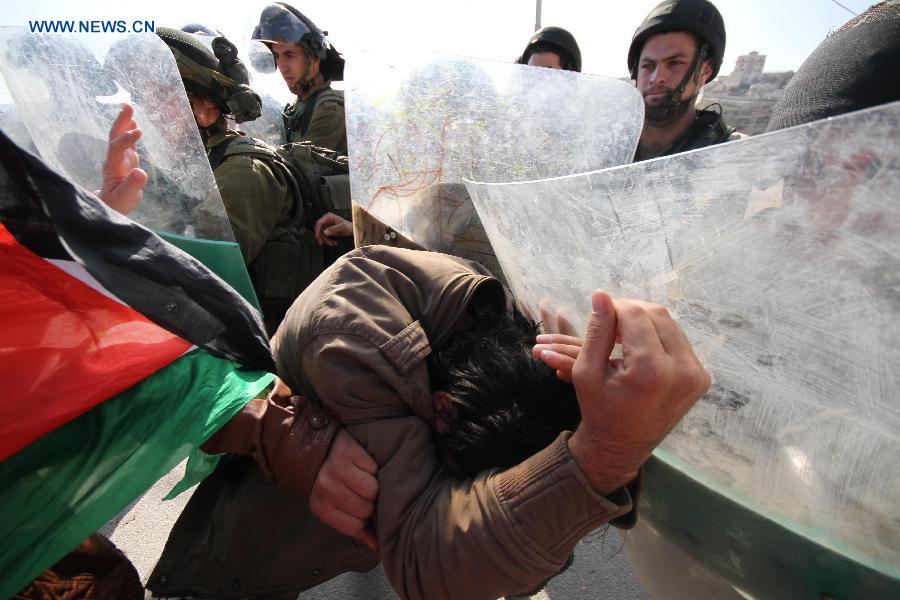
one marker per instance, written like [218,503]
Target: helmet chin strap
[674,106]
[207,132]
[312,82]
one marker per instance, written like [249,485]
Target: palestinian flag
[120,355]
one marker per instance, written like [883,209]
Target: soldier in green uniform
[675,51]
[309,63]
[262,203]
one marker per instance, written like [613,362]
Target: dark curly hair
[506,405]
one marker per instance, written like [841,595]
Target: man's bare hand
[556,321]
[558,351]
[628,405]
[331,226]
[123,180]
[343,496]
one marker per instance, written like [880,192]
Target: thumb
[600,334]
[332,231]
[132,186]
[126,196]
[368,537]
[137,178]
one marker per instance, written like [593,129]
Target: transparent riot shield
[780,257]
[68,90]
[264,78]
[68,95]
[267,82]
[11,122]
[417,129]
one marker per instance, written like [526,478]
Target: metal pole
[537,15]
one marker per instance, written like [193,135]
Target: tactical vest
[300,122]
[708,129]
[290,259]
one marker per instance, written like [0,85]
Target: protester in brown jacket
[358,340]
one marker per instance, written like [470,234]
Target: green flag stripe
[222,258]
[68,484]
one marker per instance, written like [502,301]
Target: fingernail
[598,306]
[548,354]
[542,338]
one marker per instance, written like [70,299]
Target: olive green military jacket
[257,198]
[357,340]
[328,124]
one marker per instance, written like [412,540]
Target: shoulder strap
[217,154]
[248,146]
[723,132]
[707,129]
[319,96]
[240,145]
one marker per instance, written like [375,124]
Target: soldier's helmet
[282,23]
[557,40]
[699,17]
[215,72]
[847,71]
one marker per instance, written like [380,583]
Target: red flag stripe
[64,346]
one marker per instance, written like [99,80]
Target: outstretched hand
[628,404]
[343,496]
[123,179]
[330,226]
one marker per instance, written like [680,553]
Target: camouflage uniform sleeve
[256,198]
[328,127]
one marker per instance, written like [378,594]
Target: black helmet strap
[674,106]
[312,82]
[207,132]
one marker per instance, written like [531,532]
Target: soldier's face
[206,112]
[550,60]
[294,64]
[665,60]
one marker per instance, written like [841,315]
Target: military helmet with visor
[283,24]
[214,74]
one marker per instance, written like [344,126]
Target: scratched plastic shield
[780,257]
[417,129]
[12,125]
[273,92]
[68,89]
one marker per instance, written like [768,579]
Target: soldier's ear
[206,113]
[706,70]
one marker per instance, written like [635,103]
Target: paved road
[599,571]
